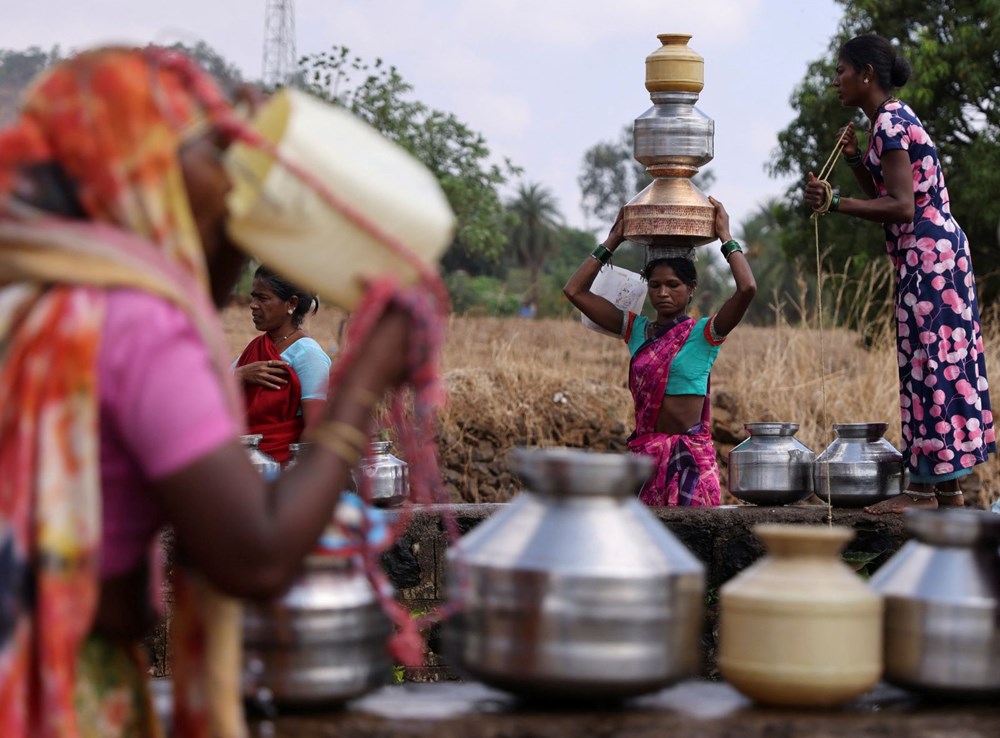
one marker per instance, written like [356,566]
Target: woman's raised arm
[577,290]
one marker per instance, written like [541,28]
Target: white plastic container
[383,194]
[624,288]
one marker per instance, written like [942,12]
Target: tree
[534,230]
[457,155]
[611,177]
[225,73]
[784,285]
[953,48]
[17,69]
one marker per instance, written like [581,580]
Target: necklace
[286,336]
[878,110]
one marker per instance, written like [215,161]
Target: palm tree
[534,229]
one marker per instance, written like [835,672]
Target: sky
[542,80]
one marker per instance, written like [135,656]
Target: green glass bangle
[835,203]
[601,254]
[729,248]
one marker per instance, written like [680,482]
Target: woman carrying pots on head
[672,357]
[283,371]
[943,390]
[120,412]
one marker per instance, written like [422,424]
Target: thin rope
[824,173]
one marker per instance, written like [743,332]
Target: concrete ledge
[720,537]
[694,709]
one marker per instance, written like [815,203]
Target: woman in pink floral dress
[943,391]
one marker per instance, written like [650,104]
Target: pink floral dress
[943,391]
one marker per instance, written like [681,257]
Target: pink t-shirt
[161,408]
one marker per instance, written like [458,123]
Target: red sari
[273,413]
[686,471]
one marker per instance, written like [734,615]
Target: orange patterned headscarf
[113,121]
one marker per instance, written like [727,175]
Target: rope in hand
[824,174]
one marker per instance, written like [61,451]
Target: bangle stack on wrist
[729,248]
[602,254]
[854,162]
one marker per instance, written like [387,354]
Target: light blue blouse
[311,363]
[693,363]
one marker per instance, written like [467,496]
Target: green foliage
[457,155]
[859,561]
[18,68]
[225,73]
[481,295]
[952,46]
[534,222]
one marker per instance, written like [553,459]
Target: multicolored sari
[111,120]
[273,413]
[686,471]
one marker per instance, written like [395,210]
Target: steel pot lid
[771,428]
[869,431]
[954,527]
[577,473]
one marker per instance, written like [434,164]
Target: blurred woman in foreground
[120,412]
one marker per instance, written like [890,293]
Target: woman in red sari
[284,372]
[672,357]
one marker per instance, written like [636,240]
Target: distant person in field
[943,391]
[284,373]
[672,357]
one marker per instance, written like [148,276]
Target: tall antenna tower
[279,43]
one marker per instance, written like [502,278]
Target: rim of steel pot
[954,527]
[771,428]
[578,473]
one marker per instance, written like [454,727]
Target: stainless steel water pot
[388,475]
[942,604]
[771,467]
[323,642]
[859,468]
[266,466]
[575,590]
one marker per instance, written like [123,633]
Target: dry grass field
[553,382]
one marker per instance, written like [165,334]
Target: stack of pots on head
[672,140]
[575,591]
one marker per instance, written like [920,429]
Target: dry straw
[553,382]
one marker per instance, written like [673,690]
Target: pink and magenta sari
[686,471]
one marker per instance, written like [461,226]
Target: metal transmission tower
[279,43]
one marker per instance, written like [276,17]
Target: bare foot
[897,504]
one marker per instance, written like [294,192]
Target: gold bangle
[357,438]
[332,435]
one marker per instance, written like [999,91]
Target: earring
[290,311]
[866,80]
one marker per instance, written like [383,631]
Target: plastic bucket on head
[384,194]
[624,288]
